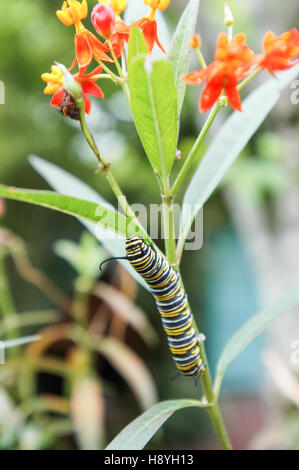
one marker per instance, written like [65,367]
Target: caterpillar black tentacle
[110,259]
[172,303]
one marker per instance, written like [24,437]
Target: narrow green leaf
[154,108]
[129,365]
[180,51]
[228,144]
[251,330]
[137,44]
[12,343]
[28,319]
[139,432]
[90,211]
[68,184]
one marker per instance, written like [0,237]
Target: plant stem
[169,231]
[247,80]
[214,410]
[201,58]
[119,69]
[114,77]
[7,305]
[105,166]
[123,77]
[206,380]
[176,185]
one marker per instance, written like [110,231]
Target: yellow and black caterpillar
[172,303]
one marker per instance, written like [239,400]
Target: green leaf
[129,365]
[250,331]
[12,343]
[139,432]
[227,145]
[85,256]
[28,319]
[87,210]
[154,108]
[180,51]
[137,44]
[65,183]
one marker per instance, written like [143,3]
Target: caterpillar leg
[176,376]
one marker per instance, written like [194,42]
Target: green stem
[206,380]
[247,80]
[105,167]
[169,231]
[114,77]
[188,163]
[7,305]
[214,410]
[103,76]
[123,77]
[119,69]
[201,58]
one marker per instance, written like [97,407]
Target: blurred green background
[222,278]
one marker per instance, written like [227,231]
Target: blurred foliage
[79,351]
[31,38]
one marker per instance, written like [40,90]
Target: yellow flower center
[72,12]
[54,80]
[157,4]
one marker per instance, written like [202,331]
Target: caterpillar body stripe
[172,303]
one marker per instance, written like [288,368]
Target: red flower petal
[233,96]
[210,95]
[87,104]
[83,49]
[195,78]
[57,97]
[97,48]
[91,88]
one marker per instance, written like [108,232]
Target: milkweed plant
[154,86]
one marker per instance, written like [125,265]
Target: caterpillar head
[135,246]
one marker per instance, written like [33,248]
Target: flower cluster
[234,61]
[105,47]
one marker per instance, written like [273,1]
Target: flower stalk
[105,167]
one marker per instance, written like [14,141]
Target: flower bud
[103,20]
[118,6]
[195,41]
[228,16]
[71,85]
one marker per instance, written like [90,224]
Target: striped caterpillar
[172,303]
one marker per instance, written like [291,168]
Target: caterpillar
[172,303]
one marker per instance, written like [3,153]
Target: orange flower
[88,47]
[86,44]
[120,35]
[55,86]
[148,25]
[280,52]
[149,29]
[233,61]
